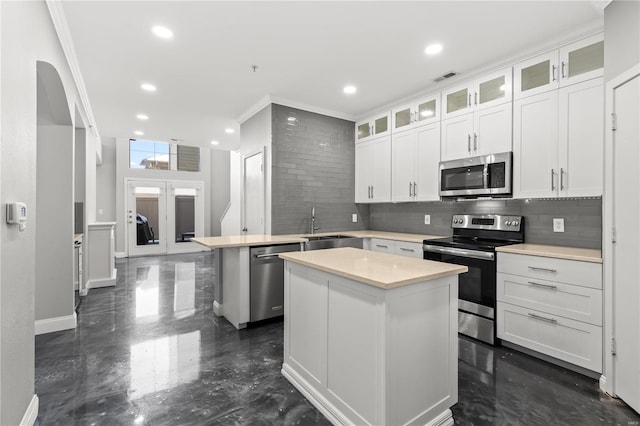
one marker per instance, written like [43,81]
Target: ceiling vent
[445,76]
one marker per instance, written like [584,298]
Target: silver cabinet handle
[561,179]
[407,249]
[474,254]
[475,141]
[381,246]
[563,64]
[469,99]
[368,191]
[475,98]
[535,268]
[553,174]
[371,191]
[469,142]
[267,255]
[541,318]
[553,73]
[550,287]
[415,189]
[410,187]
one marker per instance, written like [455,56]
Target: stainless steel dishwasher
[267,281]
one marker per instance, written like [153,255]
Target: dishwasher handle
[267,255]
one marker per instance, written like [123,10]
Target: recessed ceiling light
[162,32]
[215,143]
[142,117]
[138,132]
[350,90]
[148,87]
[433,49]
[229,130]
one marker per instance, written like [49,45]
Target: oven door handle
[474,254]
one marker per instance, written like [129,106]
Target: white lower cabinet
[552,306]
[401,248]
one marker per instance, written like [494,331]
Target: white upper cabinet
[375,127]
[415,157]
[425,111]
[486,131]
[573,63]
[490,90]
[558,142]
[373,171]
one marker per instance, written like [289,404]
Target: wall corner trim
[31,414]
[51,325]
[59,19]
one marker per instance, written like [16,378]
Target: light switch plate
[558,224]
[427,219]
[354,217]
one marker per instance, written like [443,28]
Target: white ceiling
[305,51]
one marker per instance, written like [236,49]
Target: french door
[163,216]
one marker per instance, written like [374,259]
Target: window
[163,156]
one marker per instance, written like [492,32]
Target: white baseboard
[217,309]
[31,414]
[51,325]
[121,254]
[103,282]
[603,384]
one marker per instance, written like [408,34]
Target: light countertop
[559,252]
[398,236]
[260,240]
[247,240]
[377,269]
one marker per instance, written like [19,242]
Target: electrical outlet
[427,219]
[558,224]
[354,217]
[100,211]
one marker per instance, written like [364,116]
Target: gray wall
[313,165]
[582,218]
[106,182]
[220,189]
[621,37]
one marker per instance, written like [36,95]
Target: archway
[54,297]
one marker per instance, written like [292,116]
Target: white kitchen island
[372,338]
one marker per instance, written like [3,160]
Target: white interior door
[185,216]
[146,218]
[253,194]
[626,250]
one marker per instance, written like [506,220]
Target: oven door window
[478,285]
[471,177]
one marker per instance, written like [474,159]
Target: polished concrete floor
[151,352]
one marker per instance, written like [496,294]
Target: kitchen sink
[332,241]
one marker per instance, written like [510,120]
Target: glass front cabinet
[425,111]
[573,63]
[486,92]
[377,126]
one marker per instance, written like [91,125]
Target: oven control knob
[508,223]
[516,223]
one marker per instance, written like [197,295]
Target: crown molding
[61,26]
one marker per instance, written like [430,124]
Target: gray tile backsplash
[582,218]
[313,158]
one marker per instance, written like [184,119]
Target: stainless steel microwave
[487,175]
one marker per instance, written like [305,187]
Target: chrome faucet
[314,228]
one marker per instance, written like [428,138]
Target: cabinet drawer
[385,246]
[568,340]
[409,249]
[586,274]
[566,300]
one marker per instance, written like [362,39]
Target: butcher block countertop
[381,270]
[559,252]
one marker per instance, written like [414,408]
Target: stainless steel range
[473,244]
